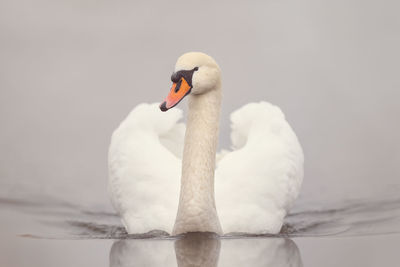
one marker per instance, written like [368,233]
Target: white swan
[255,184]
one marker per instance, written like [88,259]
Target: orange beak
[178,91]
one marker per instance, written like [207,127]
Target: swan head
[195,73]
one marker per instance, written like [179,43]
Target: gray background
[70,71]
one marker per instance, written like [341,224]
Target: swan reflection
[205,250]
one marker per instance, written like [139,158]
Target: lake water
[47,231]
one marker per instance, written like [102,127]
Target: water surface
[46,221]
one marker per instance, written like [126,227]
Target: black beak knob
[163,106]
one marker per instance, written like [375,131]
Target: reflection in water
[142,252]
[197,250]
[205,250]
[268,252]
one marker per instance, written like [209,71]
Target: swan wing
[144,163]
[257,183]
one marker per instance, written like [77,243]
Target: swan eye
[196,69]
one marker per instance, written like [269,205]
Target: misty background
[70,71]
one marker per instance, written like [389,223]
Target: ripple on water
[348,218]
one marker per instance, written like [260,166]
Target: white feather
[255,184]
[144,170]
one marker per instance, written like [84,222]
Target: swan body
[165,176]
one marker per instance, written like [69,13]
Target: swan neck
[196,211]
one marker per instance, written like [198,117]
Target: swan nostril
[178,86]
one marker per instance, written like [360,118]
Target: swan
[163,175]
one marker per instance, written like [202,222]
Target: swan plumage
[261,176]
[256,182]
[144,168]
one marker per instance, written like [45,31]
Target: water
[51,229]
